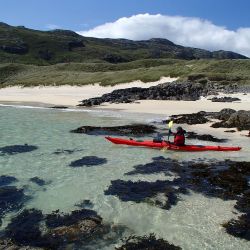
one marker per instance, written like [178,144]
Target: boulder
[131,130]
[240,120]
[225,99]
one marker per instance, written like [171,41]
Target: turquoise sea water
[194,223]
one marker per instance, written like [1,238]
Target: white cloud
[186,31]
[52,26]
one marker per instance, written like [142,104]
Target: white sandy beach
[67,95]
[72,95]
[179,107]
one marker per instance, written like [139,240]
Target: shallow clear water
[194,223]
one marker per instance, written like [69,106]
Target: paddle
[170,125]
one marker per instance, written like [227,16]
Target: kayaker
[179,136]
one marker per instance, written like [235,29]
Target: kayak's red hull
[169,146]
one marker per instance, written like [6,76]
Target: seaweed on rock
[146,243]
[24,228]
[38,181]
[239,227]
[57,219]
[130,130]
[6,180]
[80,228]
[158,193]
[228,180]
[11,198]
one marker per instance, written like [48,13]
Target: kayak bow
[169,146]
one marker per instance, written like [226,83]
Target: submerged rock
[66,151]
[55,220]
[77,230]
[146,243]
[16,149]
[239,227]
[24,228]
[7,244]
[228,180]
[11,198]
[159,193]
[135,129]
[6,180]
[38,181]
[87,204]
[88,161]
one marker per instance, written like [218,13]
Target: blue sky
[85,14]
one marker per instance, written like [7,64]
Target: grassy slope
[110,74]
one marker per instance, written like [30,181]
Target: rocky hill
[22,45]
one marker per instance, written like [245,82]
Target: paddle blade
[170,124]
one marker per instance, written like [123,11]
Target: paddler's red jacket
[179,138]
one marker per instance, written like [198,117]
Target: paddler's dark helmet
[179,129]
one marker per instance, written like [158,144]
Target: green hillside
[22,45]
[30,57]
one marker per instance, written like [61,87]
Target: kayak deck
[169,146]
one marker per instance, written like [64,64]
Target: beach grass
[223,71]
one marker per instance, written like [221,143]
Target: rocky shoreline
[181,91]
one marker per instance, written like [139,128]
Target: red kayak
[169,146]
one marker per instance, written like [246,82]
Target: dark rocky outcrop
[88,161]
[204,137]
[130,130]
[195,118]
[18,48]
[16,149]
[185,91]
[225,99]
[239,120]
[76,230]
[224,114]
[147,242]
